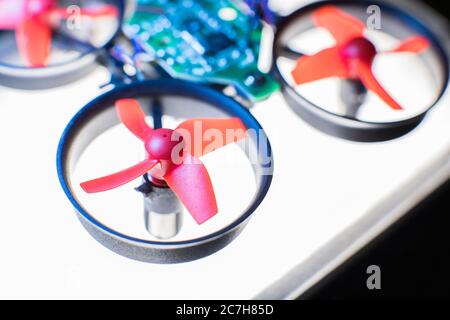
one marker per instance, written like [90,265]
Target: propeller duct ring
[98,116]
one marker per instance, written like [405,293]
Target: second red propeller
[353,55]
[34,21]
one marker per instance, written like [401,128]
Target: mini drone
[184,75]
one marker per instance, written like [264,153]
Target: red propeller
[353,55]
[172,156]
[32,21]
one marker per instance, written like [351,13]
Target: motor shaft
[162,210]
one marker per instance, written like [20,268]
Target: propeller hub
[358,49]
[165,144]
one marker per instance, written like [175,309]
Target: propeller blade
[90,12]
[131,115]
[415,44]
[191,183]
[33,38]
[341,25]
[365,74]
[209,134]
[120,178]
[12,13]
[325,64]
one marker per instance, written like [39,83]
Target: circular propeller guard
[101,114]
[353,62]
[48,43]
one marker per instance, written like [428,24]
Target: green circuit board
[213,41]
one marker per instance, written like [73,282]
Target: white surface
[321,186]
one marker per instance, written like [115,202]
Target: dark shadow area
[441,6]
[413,255]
